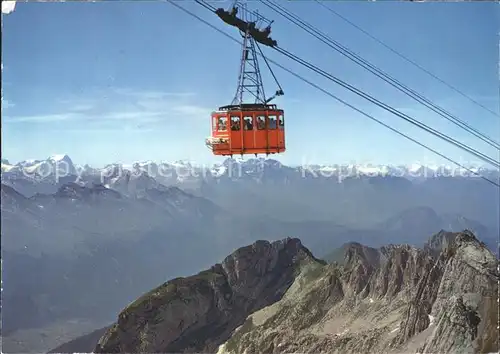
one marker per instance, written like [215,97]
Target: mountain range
[62,165]
[270,188]
[79,247]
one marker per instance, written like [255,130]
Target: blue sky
[125,81]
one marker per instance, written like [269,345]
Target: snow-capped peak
[58,157]
[27,163]
[415,167]
[372,170]
[143,163]
[218,170]
[183,163]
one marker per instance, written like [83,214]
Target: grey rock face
[199,313]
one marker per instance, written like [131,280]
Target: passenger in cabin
[248,124]
[222,124]
[261,124]
[235,125]
[272,123]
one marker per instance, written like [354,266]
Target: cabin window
[261,122]
[235,123]
[214,123]
[281,121]
[222,126]
[248,123]
[272,122]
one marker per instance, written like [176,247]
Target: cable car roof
[249,107]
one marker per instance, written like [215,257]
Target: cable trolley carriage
[248,128]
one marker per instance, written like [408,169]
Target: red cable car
[248,128]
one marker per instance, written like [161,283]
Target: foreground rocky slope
[200,312]
[278,298]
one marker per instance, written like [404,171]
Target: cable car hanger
[261,36]
[249,30]
[244,127]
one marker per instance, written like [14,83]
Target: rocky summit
[201,312]
[277,298]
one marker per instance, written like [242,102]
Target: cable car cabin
[247,129]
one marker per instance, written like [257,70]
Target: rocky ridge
[277,297]
[199,313]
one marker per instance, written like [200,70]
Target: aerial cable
[389,108]
[384,76]
[378,72]
[338,99]
[407,59]
[205,5]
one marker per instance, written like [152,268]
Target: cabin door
[236,134]
[281,130]
[272,132]
[248,132]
